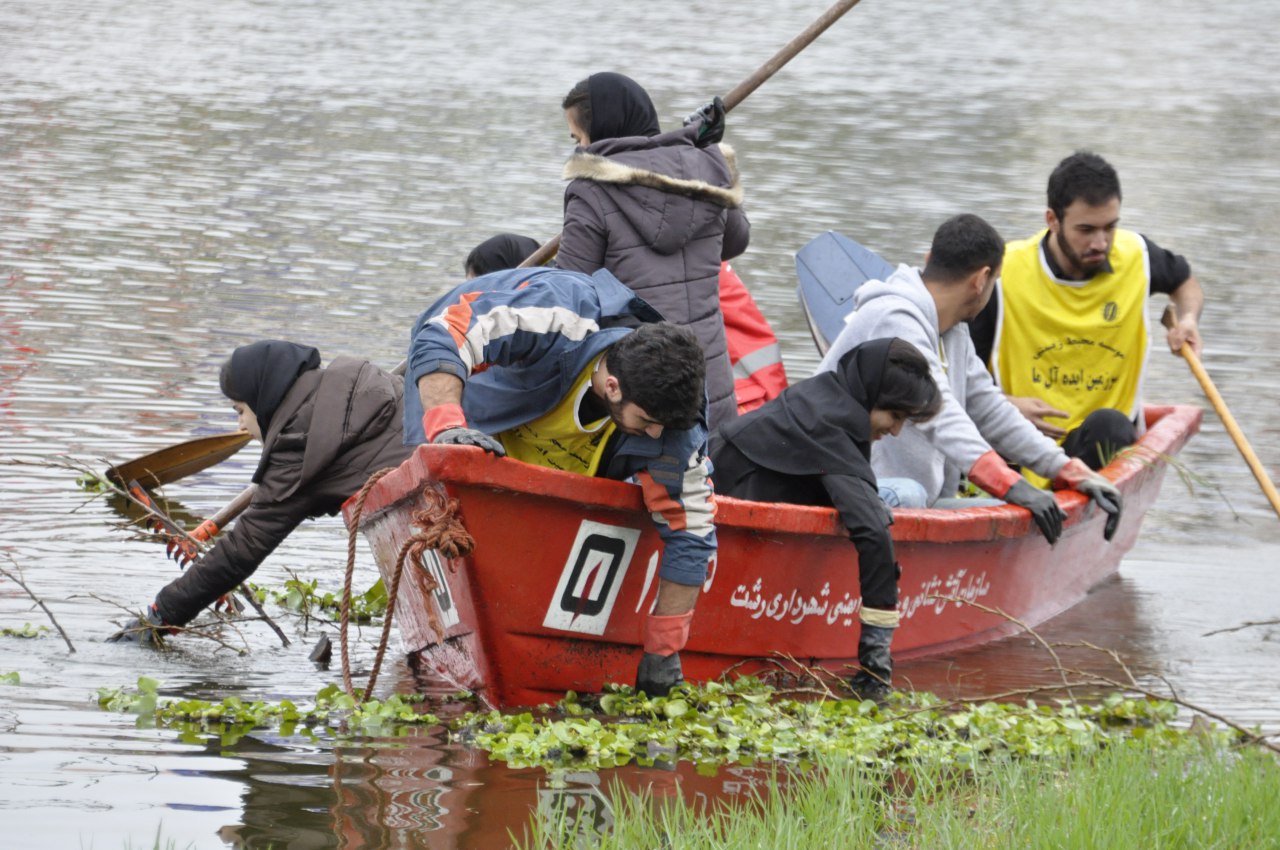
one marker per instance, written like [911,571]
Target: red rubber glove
[441,418]
[666,635]
[993,475]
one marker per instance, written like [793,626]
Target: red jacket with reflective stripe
[758,373]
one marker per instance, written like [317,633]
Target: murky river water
[179,179]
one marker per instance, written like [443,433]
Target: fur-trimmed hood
[670,188]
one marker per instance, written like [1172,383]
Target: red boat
[564,569]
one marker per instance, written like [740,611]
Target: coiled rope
[439,528]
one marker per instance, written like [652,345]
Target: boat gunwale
[1169,428]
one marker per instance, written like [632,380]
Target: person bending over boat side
[812,446]
[497,253]
[658,210]
[978,427]
[575,372]
[1066,333]
[324,431]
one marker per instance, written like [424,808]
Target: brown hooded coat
[335,427]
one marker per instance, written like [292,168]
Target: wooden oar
[738,93]
[178,461]
[1228,421]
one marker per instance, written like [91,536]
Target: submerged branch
[1130,683]
[1247,624]
[17,579]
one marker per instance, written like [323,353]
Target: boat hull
[564,569]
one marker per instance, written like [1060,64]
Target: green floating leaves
[302,597]
[332,710]
[10,678]
[27,631]
[93,483]
[745,721]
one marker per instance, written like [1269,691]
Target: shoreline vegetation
[1113,771]
[1139,793]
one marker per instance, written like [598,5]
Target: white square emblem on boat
[443,596]
[591,578]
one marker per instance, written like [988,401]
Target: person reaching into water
[658,210]
[324,431]
[812,446]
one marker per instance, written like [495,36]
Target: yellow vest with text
[1079,345]
[557,439]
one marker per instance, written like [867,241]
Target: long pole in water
[738,93]
[1228,420]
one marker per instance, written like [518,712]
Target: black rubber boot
[874,680]
[658,674]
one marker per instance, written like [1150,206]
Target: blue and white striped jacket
[519,339]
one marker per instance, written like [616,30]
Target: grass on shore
[1135,794]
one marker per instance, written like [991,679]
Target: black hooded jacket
[812,446]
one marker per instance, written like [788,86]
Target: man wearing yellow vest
[1067,334]
[575,372]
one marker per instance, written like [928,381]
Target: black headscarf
[820,426]
[261,373]
[619,108]
[504,251]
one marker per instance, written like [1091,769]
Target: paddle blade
[830,268]
[178,461]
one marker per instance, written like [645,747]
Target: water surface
[179,180]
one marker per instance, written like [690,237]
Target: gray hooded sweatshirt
[975,416]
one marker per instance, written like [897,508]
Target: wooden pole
[1228,421]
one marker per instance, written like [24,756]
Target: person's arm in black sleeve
[235,557]
[867,519]
[982,329]
[1171,274]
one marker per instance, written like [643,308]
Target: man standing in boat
[978,427]
[575,372]
[1066,335]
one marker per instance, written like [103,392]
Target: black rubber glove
[469,437]
[712,118]
[1107,497]
[149,630]
[658,674]
[1043,506]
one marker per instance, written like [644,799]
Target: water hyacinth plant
[746,721]
[333,711]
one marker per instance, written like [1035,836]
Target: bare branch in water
[17,579]
[1088,679]
[103,485]
[1057,662]
[1247,624]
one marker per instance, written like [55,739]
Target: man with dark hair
[1066,337]
[575,372]
[978,428]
